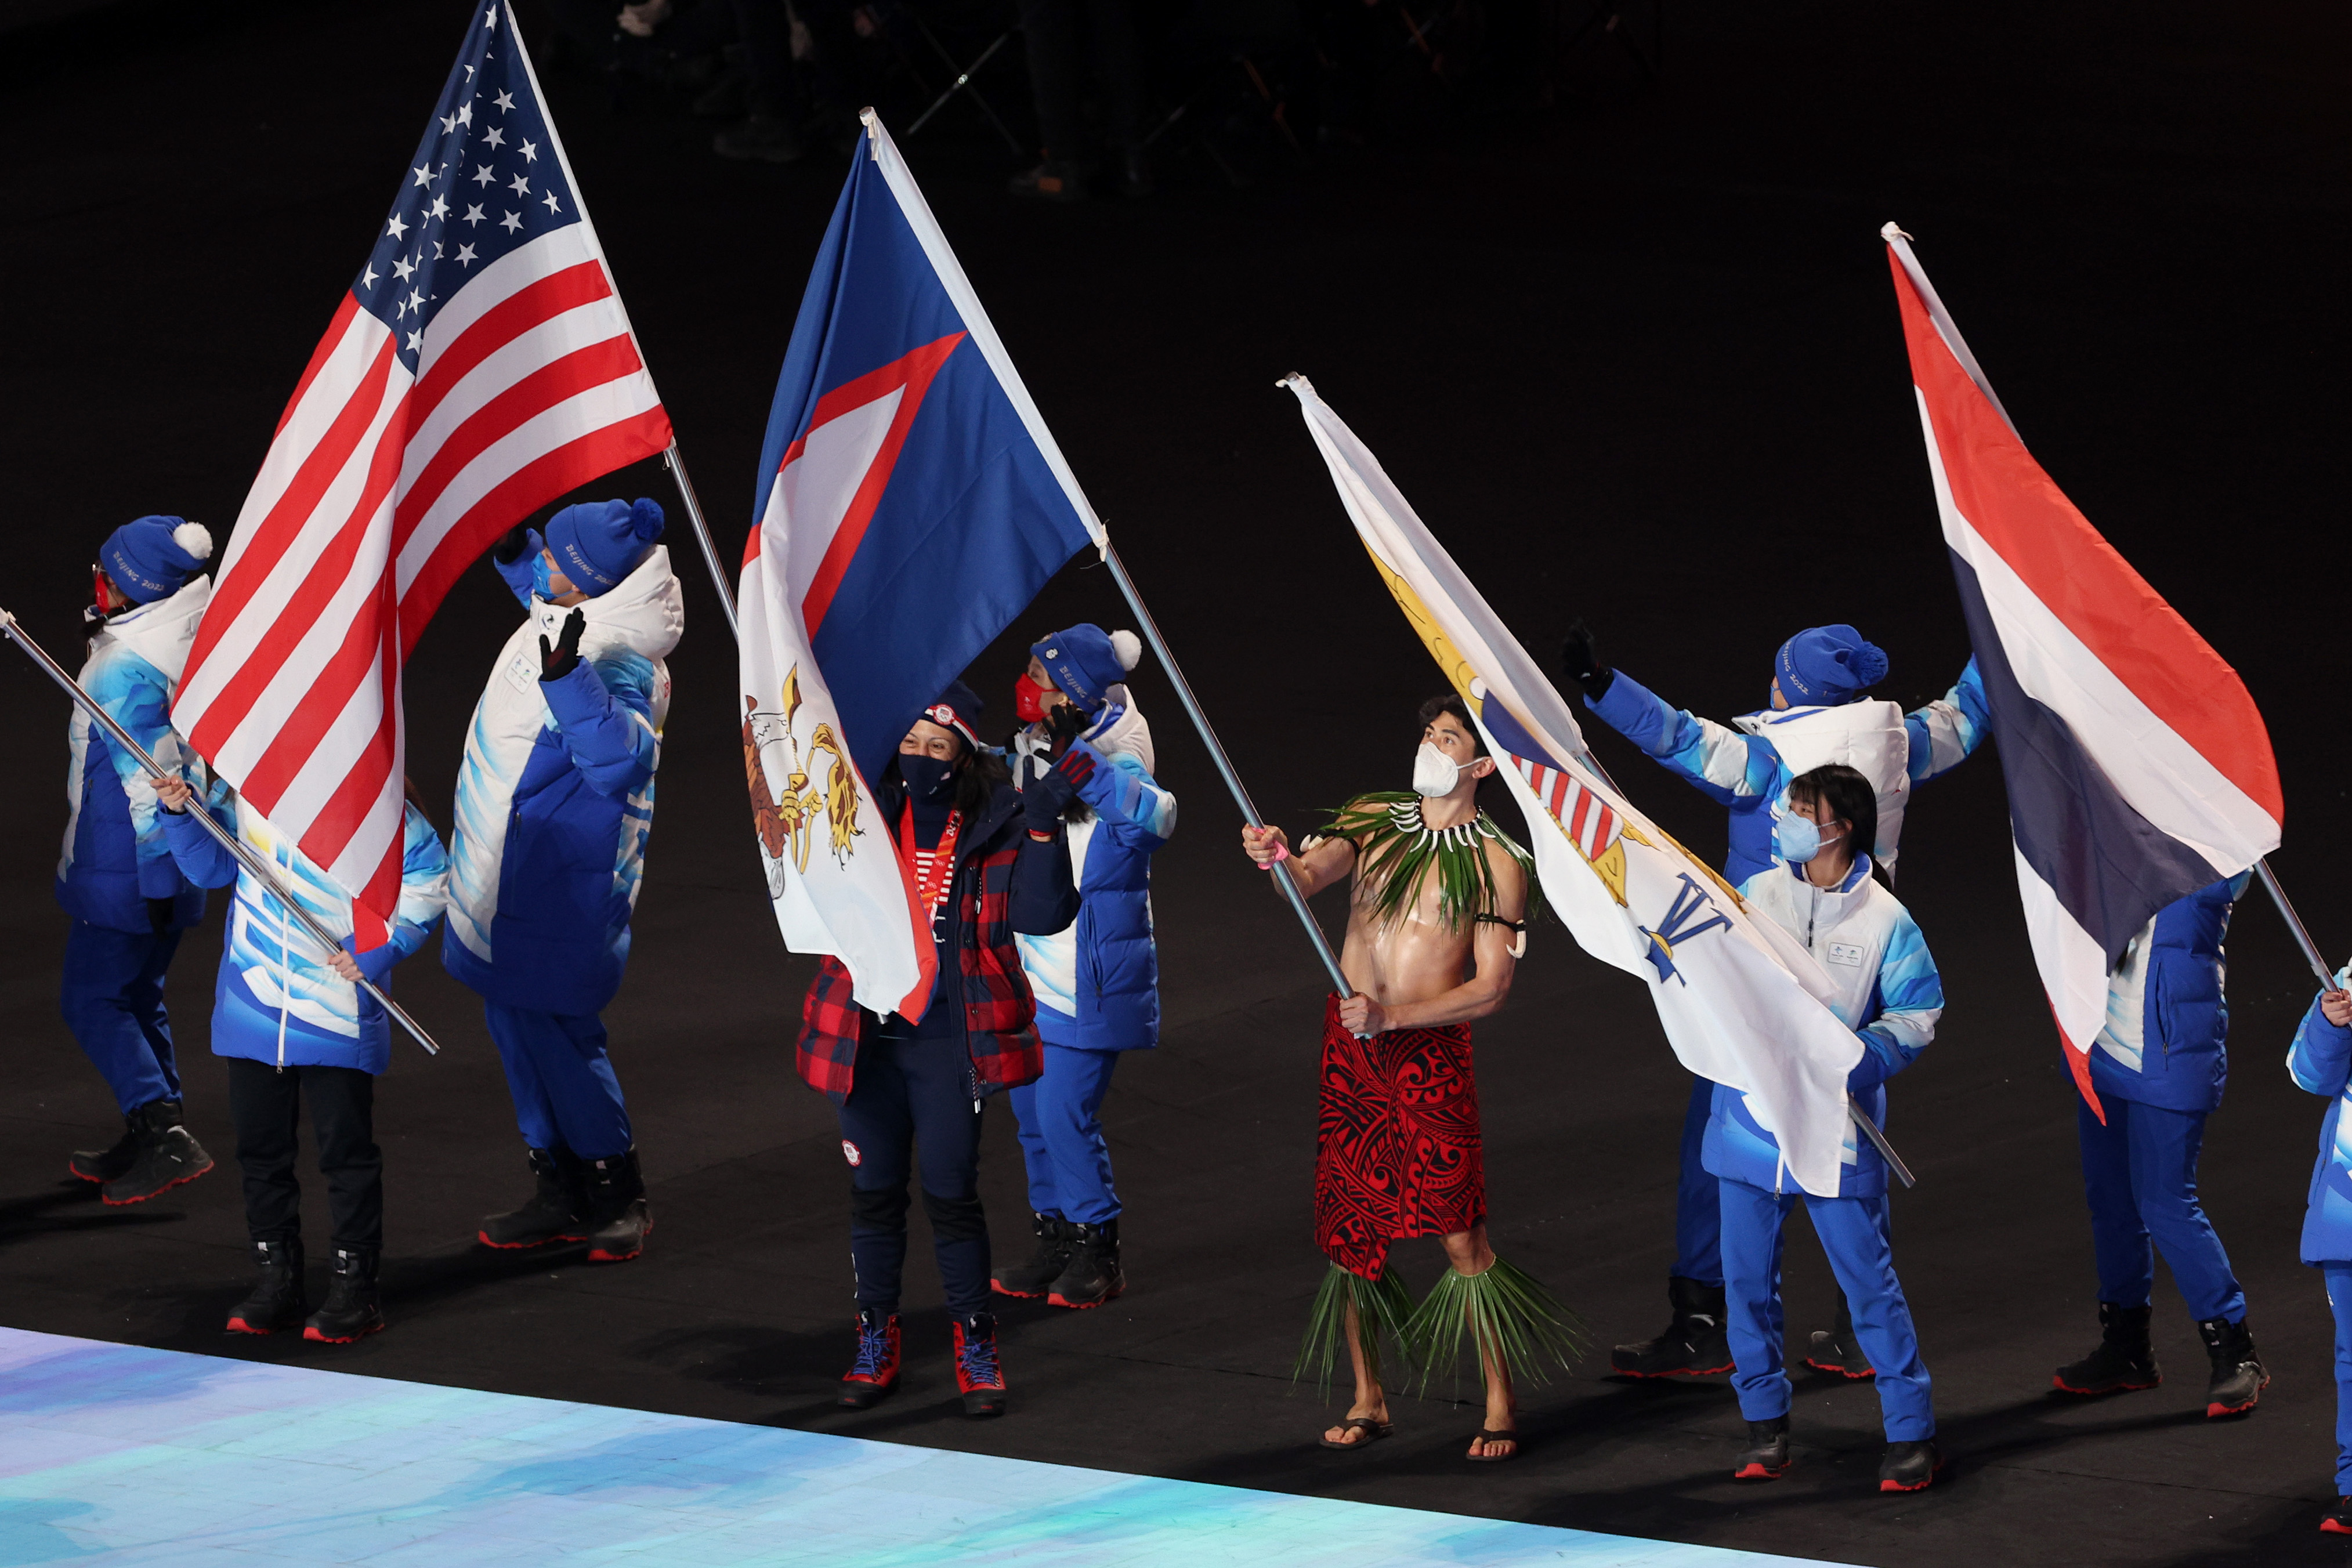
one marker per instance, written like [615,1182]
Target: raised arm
[1327,862]
[1944,732]
[605,708]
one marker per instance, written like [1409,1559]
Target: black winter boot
[2239,1378]
[2123,1360]
[1836,1350]
[108,1165]
[553,1212]
[1035,1277]
[618,1218]
[1766,1458]
[2337,1520]
[1695,1344]
[1094,1275]
[278,1302]
[1909,1466]
[352,1308]
[166,1157]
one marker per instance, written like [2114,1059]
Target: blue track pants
[1698,1210]
[1853,1232]
[2339,1297]
[1062,1137]
[2139,1172]
[565,1095]
[112,998]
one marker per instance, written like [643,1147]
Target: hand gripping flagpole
[244,853]
[1224,764]
[2311,954]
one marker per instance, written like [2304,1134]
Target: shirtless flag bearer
[1435,927]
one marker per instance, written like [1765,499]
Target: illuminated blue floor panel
[116,1454]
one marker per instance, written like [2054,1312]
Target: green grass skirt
[1502,1309]
[1384,1307]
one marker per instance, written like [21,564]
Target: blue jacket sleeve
[1128,802]
[1909,997]
[1945,731]
[602,707]
[1724,763]
[132,693]
[518,572]
[201,858]
[424,884]
[2321,1057]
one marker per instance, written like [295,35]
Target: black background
[1635,358]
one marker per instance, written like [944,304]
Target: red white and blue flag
[2138,768]
[910,503]
[479,367]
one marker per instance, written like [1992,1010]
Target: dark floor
[1635,359]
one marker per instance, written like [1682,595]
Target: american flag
[479,366]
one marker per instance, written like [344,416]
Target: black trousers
[1062,35]
[913,1106]
[266,1103]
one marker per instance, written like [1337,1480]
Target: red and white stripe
[1588,820]
[379,489]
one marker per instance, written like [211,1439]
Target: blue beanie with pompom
[154,557]
[598,543]
[1825,666]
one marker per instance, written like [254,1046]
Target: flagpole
[2311,954]
[1878,1141]
[702,536]
[1224,764]
[245,857]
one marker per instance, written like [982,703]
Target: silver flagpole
[245,857]
[702,537]
[1224,765]
[1878,1141]
[2311,954]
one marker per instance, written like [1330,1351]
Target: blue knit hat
[598,543]
[1825,666]
[959,709]
[1085,661]
[154,557]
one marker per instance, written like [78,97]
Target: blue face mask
[1798,839]
[538,582]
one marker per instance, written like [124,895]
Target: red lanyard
[932,880]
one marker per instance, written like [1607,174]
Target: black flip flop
[1484,1435]
[1378,1429]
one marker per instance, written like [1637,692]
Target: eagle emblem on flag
[786,819]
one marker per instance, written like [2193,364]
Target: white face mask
[1434,772]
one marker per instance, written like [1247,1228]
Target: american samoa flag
[910,503]
[479,367]
[2138,768]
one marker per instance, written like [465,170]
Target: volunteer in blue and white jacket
[117,878]
[1098,981]
[2158,1065]
[296,1029]
[554,804]
[2320,1061]
[1819,713]
[1889,993]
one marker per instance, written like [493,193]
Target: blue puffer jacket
[115,856]
[555,801]
[1097,982]
[2164,1043]
[2321,1063]
[1744,771]
[277,1000]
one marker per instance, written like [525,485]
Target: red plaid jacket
[1005,882]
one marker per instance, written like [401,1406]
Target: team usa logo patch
[849,1152]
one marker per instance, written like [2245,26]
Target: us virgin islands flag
[911,503]
[2137,766]
[1741,1001]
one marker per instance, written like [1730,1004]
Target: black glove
[511,546]
[1581,663]
[1044,797]
[560,658]
[1065,722]
[158,914]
